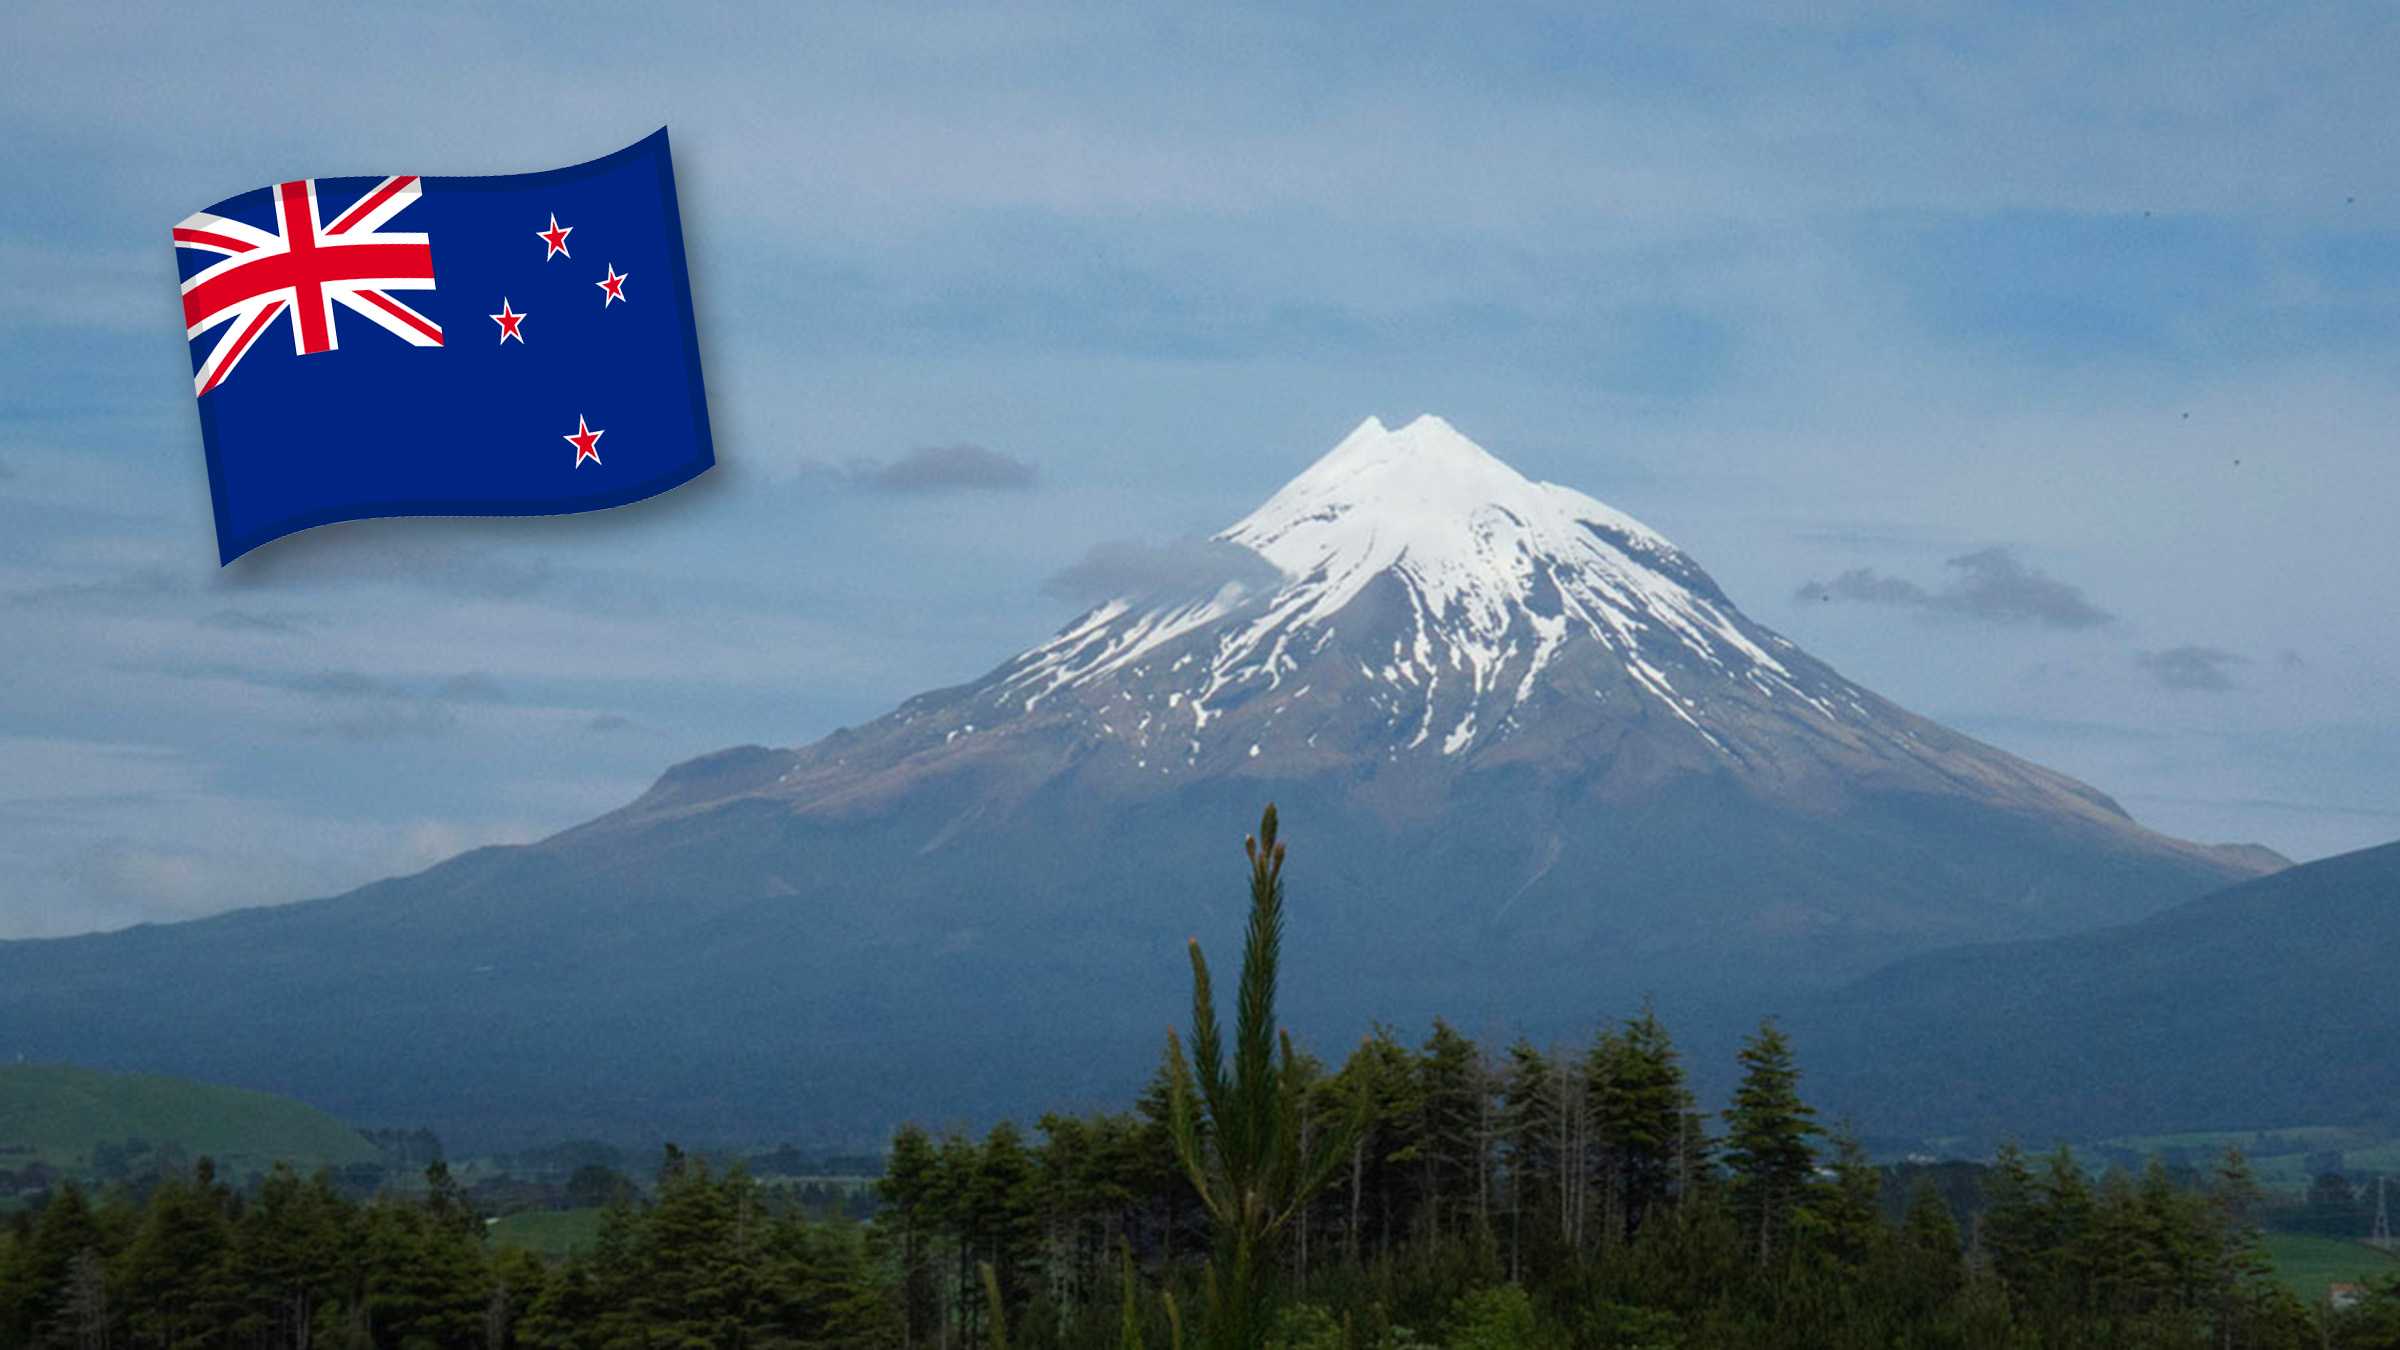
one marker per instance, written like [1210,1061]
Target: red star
[508,323]
[615,286]
[586,440]
[556,238]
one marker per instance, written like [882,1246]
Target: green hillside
[2312,1265]
[57,1113]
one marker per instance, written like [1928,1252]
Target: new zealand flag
[407,346]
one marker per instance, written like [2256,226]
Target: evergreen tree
[1249,1169]
[1529,1115]
[1842,1213]
[1931,1270]
[568,1313]
[519,1279]
[1449,1093]
[425,1276]
[2122,1251]
[2009,1237]
[174,1271]
[292,1258]
[907,1219]
[1158,1171]
[38,1270]
[1002,1219]
[1642,1112]
[2063,1208]
[822,1290]
[698,1247]
[1375,1093]
[1767,1133]
[2237,1269]
[2174,1237]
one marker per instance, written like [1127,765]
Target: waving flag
[403,346]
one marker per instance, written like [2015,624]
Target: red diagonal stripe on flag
[242,344]
[207,239]
[368,203]
[404,315]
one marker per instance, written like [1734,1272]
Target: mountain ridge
[2261,1005]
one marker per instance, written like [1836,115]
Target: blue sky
[1857,291]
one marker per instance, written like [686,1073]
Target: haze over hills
[1532,762]
[2264,1005]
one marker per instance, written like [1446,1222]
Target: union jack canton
[307,267]
[579,270]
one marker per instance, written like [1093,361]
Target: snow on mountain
[1421,601]
[1476,541]
[1500,574]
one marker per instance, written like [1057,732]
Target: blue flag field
[404,346]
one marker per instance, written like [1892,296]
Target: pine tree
[1529,1131]
[83,1319]
[695,1255]
[2121,1251]
[426,1279]
[291,1256]
[37,1268]
[2175,1238]
[1929,1239]
[1767,1137]
[2009,1236]
[1249,1169]
[2064,1210]
[906,1216]
[823,1289]
[1640,1108]
[1449,1091]
[174,1271]
[2236,1264]
[1156,1168]
[1375,1092]
[1844,1212]
[1003,1224]
[519,1279]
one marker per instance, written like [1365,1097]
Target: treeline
[1577,1198]
[1538,1198]
[2332,1207]
[702,1260]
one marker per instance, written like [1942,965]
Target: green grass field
[57,1113]
[2308,1264]
[547,1232]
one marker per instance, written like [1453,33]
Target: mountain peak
[1444,583]
[1429,605]
[1427,463]
[1429,501]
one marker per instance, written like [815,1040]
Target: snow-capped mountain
[1499,577]
[1531,763]
[1416,602]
